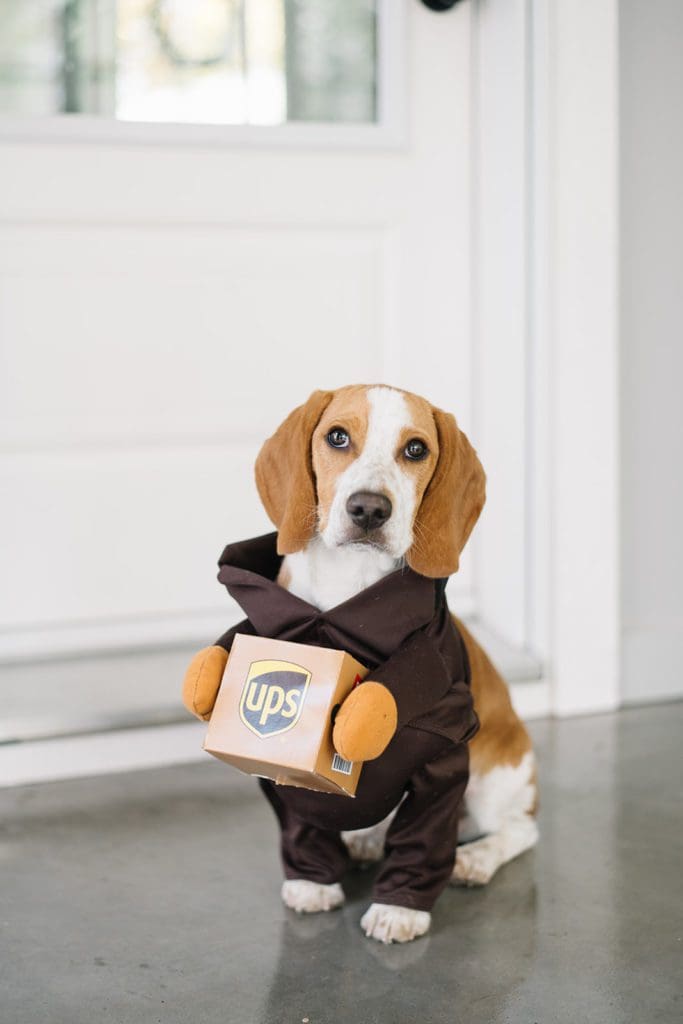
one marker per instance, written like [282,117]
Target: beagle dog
[361,503]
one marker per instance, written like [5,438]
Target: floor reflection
[475,956]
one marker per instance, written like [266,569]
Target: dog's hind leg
[366,845]
[500,809]
[477,862]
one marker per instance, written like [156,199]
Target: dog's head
[373,465]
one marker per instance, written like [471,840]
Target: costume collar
[378,618]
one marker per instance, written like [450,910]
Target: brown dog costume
[401,629]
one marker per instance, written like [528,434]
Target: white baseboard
[652,664]
[531,699]
[124,750]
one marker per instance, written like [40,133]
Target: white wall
[651,57]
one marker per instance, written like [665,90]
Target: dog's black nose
[368,510]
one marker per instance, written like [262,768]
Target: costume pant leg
[315,854]
[421,841]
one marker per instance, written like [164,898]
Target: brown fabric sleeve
[421,841]
[416,676]
[225,641]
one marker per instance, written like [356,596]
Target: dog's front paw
[311,897]
[394,924]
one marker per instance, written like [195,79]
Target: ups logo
[273,696]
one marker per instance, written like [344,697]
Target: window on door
[233,62]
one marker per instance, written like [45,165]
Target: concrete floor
[153,897]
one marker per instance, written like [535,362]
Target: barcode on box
[342,766]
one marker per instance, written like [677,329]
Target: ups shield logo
[273,696]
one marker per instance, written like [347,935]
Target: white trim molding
[102,753]
[87,129]
[577,177]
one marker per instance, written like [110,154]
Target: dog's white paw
[366,846]
[311,897]
[474,865]
[394,924]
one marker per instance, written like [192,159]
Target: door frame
[569,323]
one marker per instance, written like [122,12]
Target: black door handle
[440,5]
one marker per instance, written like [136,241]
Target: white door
[168,293]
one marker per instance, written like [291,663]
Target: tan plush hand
[202,680]
[365,723]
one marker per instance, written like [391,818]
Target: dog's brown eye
[415,450]
[338,438]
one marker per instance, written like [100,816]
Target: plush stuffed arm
[205,673]
[365,723]
[202,680]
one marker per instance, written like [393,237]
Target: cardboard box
[274,712]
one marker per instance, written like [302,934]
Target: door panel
[148,333]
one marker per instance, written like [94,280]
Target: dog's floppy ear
[450,505]
[284,475]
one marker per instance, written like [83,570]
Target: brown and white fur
[339,559]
